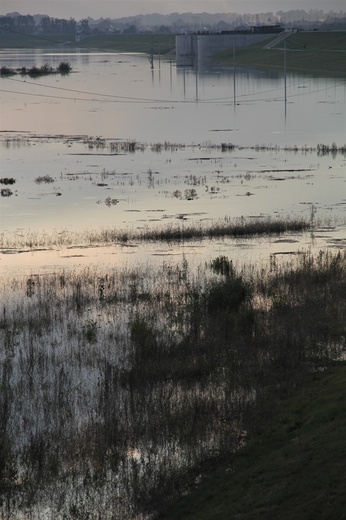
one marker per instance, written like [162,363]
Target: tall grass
[120,387]
[226,227]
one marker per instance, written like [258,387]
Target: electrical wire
[115,97]
[134,100]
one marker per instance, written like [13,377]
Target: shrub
[226,295]
[6,71]
[64,67]
[90,330]
[222,265]
[7,180]
[6,192]
[143,339]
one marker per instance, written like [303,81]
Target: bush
[7,180]
[143,339]
[6,71]
[227,295]
[90,330]
[6,192]
[64,67]
[222,265]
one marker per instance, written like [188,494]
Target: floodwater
[75,130]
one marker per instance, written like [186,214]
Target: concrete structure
[191,49]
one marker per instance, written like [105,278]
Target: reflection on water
[78,183]
[245,251]
[160,152]
[120,96]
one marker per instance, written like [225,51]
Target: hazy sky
[117,8]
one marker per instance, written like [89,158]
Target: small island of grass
[34,72]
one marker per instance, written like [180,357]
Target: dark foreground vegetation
[295,469]
[121,388]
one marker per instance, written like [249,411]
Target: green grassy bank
[293,470]
[318,53]
[160,43]
[14,40]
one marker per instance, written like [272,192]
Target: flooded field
[66,186]
[117,143]
[171,248]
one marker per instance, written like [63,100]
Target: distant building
[266,29]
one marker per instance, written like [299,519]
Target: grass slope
[318,53]
[14,40]
[295,470]
[159,43]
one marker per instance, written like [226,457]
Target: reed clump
[226,227]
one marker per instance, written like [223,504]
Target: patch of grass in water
[233,229]
[46,179]
[34,72]
[171,233]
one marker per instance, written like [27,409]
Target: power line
[129,99]
[115,97]
[141,101]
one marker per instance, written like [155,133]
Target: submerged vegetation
[129,146]
[46,179]
[120,388]
[7,180]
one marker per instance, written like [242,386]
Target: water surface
[69,128]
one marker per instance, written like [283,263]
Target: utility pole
[234,93]
[184,81]
[285,75]
[196,83]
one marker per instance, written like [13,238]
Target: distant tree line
[173,23]
[43,25]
